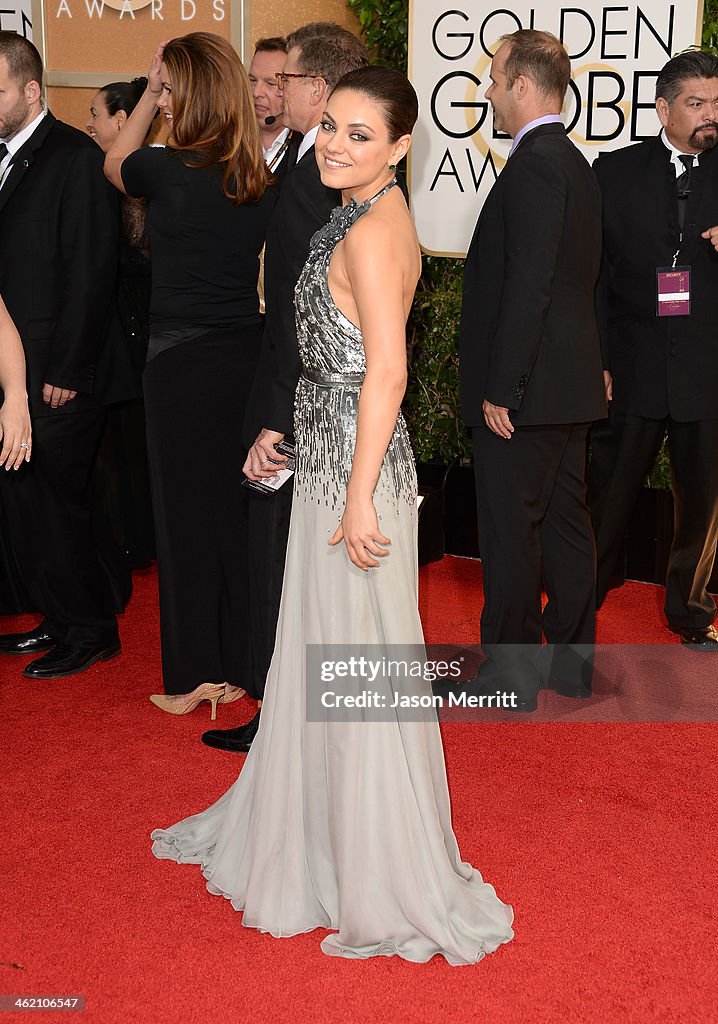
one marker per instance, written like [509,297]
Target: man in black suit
[531,374]
[59,224]
[659,198]
[279,143]
[317,56]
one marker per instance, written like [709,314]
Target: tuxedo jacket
[289,159]
[304,206]
[59,248]
[529,337]
[661,365]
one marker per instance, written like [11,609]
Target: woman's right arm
[15,426]
[377,268]
[137,125]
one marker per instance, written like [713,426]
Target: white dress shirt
[15,143]
[308,141]
[676,153]
[271,151]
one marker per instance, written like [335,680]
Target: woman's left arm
[15,428]
[376,269]
[137,125]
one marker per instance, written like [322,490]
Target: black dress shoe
[69,659]
[479,686]
[701,638]
[237,740]
[34,641]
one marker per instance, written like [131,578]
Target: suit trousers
[268,533]
[535,534]
[195,400]
[47,508]
[621,459]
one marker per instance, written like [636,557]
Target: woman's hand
[263,460]
[16,433]
[154,78]
[359,529]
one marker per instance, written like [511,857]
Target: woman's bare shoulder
[385,232]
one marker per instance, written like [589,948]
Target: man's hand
[497,419]
[56,397]
[263,459]
[712,235]
[608,384]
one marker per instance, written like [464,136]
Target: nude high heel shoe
[227,698]
[212,692]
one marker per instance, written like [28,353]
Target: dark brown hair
[23,60]
[213,112]
[540,57]
[391,91]
[272,44]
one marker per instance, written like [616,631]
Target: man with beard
[660,338]
[59,242]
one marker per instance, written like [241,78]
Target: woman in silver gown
[346,825]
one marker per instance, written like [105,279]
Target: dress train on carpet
[344,825]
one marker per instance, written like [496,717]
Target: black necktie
[683,186]
[683,181]
[3,151]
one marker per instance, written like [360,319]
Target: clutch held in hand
[285,470]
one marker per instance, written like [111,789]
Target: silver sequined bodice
[334,363]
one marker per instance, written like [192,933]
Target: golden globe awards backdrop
[87,43]
[616,53]
[16,16]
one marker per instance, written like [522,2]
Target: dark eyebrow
[328,117]
[358,124]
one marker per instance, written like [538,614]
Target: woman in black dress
[207,210]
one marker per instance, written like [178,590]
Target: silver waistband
[333,380]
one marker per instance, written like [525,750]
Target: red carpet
[602,836]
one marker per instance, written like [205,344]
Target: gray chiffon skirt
[344,825]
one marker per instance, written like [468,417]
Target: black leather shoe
[237,740]
[69,659]
[702,638]
[479,686]
[34,641]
